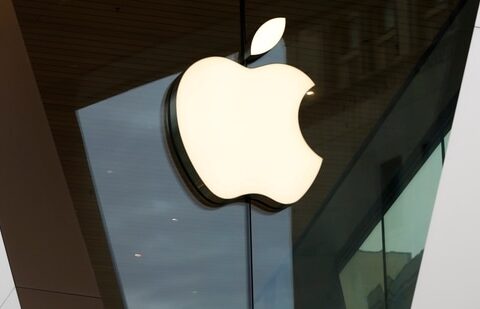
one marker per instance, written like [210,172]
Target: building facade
[94,212]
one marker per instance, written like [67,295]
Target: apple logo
[234,132]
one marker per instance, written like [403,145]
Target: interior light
[310,92]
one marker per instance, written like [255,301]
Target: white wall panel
[11,302]
[450,272]
[7,286]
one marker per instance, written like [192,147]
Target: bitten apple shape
[236,132]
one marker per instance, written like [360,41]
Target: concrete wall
[47,253]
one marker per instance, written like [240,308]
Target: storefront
[387,76]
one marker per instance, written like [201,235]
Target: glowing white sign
[236,131]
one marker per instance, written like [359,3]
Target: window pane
[406,227]
[386,78]
[170,251]
[362,277]
[272,260]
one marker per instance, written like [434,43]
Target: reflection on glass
[446,140]
[170,252]
[272,260]
[173,253]
[362,277]
[406,227]
[386,80]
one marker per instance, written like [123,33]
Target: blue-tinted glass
[170,251]
[272,260]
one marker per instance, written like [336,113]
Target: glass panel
[362,277]
[387,75]
[406,227]
[170,251]
[272,256]
[378,96]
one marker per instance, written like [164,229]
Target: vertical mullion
[384,256]
[243,34]
[242,61]
[251,291]
[443,150]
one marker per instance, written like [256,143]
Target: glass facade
[391,255]
[387,76]
[362,278]
[345,257]
[170,251]
[405,231]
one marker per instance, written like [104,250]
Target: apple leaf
[268,35]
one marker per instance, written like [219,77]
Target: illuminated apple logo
[234,131]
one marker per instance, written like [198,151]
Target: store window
[170,251]
[405,229]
